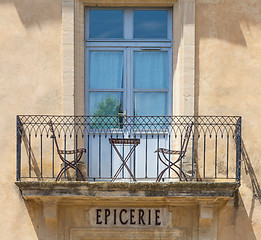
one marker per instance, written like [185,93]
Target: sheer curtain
[150,104]
[106,69]
[150,72]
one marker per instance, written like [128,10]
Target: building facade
[130,119]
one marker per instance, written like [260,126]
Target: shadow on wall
[234,221]
[230,21]
[250,171]
[35,13]
[226,19]
[254,182]
[35,211]
[33,162]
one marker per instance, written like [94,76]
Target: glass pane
[106,69]
[151,70]
[106,103]
[150,104]
[150,23]
[106,24]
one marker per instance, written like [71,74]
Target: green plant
[109,107]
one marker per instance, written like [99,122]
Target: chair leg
[163,171]
[168,166]
[182,172]
[70,165]
[59,176]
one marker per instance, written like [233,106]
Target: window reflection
[150,23]
[105,103]
[106,24]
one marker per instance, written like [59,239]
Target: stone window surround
[183,51]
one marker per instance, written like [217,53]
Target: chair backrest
[185,140]
[50,123]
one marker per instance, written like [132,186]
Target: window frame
[129,45]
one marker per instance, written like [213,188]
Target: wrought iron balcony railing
[128,148]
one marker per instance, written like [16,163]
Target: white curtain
[106,69]
[150,104]
[151,70]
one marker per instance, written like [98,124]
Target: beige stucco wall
[228,82]
[227,77]
[30,83]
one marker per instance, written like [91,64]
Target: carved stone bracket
[207,220]
[50,219]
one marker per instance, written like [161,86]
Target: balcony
[80,171]
[168,148]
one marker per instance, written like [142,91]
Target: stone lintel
[80,190]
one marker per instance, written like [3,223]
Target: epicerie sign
[128,217]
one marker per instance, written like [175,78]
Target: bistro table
[134,142]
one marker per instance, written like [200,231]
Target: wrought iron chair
[162,152]
[67,164]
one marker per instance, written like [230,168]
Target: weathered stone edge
[177,189]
